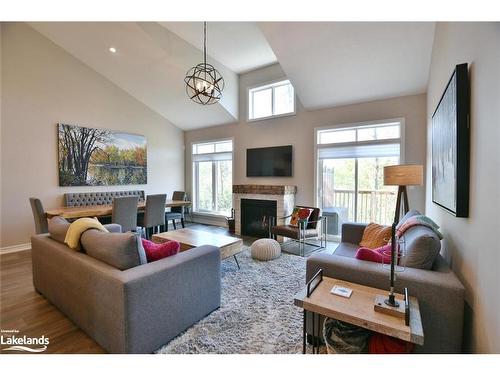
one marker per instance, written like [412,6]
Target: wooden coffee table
[189,238]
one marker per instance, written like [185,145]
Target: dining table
[76,212]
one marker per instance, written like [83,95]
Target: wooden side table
[357,310]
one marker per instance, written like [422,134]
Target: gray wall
[43,85]
[298,131]
[471,243]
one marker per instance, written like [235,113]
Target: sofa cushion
[422,246]
[346,249]
[58,226]
[375,235]
[120,250]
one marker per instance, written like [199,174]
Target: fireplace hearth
[255,214]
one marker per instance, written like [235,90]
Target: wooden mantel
[265,189]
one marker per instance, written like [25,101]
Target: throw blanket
[77,228]
[418,220]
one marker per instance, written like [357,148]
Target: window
[350,162]
[273,100]
[213,177]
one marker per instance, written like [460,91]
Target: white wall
[43,85]
[298,131]
[472,243]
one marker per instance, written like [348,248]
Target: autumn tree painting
[89,156]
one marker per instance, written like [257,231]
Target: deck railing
[373,205]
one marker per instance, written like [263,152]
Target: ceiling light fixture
[204,84]
[112,49]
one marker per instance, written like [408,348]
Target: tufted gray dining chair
[125,212]
[154,214]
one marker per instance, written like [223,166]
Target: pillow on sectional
[375,235]
[120,250]
[379,255]
[422,247]
[407,216]
[58,226]
[157,251]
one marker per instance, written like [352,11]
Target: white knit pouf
[265,249]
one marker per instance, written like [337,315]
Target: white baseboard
[15,248]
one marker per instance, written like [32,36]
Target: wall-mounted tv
[269,162]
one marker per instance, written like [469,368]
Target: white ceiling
[329,63]
[150,64]
[240,46]
[337,63]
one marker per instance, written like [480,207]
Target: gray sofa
[132,311]
[439,292]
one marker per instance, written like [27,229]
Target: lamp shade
[404,175]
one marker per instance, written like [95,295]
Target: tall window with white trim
[271,100]
[213,177]
[350,162]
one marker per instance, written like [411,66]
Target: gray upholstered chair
[176,213]
[125,212]
[41,225]
[154,214]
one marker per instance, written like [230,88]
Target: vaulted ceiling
[329,63]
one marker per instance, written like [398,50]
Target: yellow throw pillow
[77,228]
[375,235]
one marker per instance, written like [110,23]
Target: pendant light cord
[205,43]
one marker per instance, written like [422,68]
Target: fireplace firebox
[254,216]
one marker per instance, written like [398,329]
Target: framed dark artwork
[450,145]
[92,157]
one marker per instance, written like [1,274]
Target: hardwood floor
[23,309]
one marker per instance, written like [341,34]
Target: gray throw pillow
[120,250]
[422,247]
[58,226]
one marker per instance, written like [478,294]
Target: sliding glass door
[350,164]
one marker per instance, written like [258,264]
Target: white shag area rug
[257,314]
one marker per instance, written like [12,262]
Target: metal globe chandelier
[204,84]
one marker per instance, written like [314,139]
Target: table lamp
[403,175]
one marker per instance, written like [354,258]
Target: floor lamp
[402,176]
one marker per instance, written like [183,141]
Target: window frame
[195,176]
[264,86]
[367,124]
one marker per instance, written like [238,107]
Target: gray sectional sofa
[439,292]
[135,310]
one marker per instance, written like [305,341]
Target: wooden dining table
[76,212]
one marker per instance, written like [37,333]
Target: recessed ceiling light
[112,49]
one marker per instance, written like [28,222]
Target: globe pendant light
[204,84]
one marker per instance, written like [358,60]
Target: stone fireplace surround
[284,195]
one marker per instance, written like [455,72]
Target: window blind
[358,151]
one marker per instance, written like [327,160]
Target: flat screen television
[269,162]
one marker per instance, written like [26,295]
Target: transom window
[272,100]
[213,177]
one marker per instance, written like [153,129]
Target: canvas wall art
[93,157]
[450,146]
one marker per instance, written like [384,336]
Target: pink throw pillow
[375,255]
[157,251]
